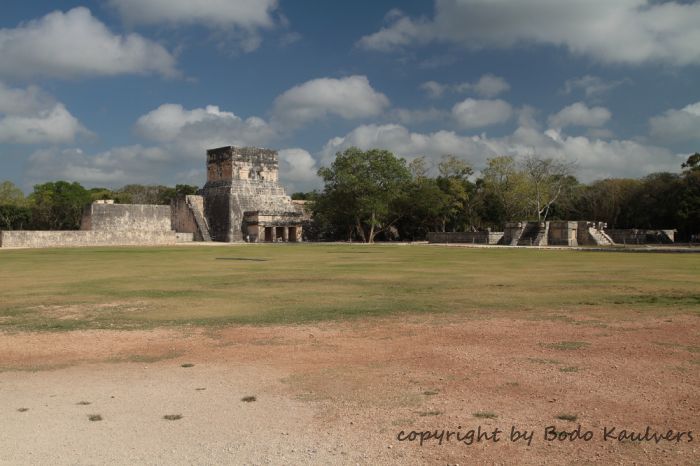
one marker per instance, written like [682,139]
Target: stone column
[285,234]
[274,234]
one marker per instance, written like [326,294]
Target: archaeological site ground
[346,354]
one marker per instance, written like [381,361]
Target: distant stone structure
[243,200]
[557,233]
[106,224]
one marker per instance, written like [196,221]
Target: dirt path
[340,393]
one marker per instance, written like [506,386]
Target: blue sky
[134,91]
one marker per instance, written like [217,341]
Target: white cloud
[185,135]
[238,21]
[488,85]
[416,116]
[407,144]
[201,128]
[592,86]
[76,44]
[248,14]
[677,125]
[579,114]
[595,159]
[23,101]
[434,89]
[30,116]
[472,113]
[350,98]
[297,170]
[622,31]
[112,168]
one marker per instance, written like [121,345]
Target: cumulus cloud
[407,144]
[416,116]
[579,114]
[76,44]
[472,113]
[240,19]
[30,116]
[677,125]
[185,135]
[623,31]
[201,128]
[434,89]
[112,168]
[594,158]
[298,170]
[592,86]
[488,85]
[351,97]
[247,14]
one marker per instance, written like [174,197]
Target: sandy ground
[341,393]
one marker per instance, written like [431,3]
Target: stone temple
[243,200]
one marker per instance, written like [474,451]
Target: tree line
[373,194]
[59,205]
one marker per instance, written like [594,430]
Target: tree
[10,194]
[14,212]
[363,188]
[693,163]
[59,205]
[504,188]
[547,180]
[453,179]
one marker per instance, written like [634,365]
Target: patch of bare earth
[341,393]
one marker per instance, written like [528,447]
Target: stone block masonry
[48,239]
[104,224]
[126,217]
[244,180]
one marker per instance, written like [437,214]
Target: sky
[114,92]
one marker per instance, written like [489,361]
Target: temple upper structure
[243,200]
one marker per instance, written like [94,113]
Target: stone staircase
[542,238]
[202,227]
[600,238]
[531,235]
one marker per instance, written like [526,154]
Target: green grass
[131,288]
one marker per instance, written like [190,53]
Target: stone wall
[126,217]
[181,216]
[239,180]
[105,224]
[562,233]
[47,239]
[473,237]
[639,236]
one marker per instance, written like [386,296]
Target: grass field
[65,289]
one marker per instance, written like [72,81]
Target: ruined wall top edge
[255,155]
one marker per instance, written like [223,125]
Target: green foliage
[362,189]
[505,187]
[301,196]
[59,205]
[10,194]
[14,217]
[693,163]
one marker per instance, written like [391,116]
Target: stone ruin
[241,201]
[556,233]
